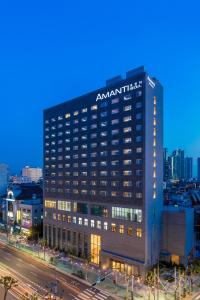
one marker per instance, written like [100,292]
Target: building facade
[3,178]
[178,164]
[198,168]
[188,168]
[31,174]
[103,172]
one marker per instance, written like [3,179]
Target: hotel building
[103,171]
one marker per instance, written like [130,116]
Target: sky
[51,51]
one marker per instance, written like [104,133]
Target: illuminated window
[64,205]
[139,232]
[127,108]
[127,129]
[86,222]
[79,221]
[95,243]
[69,219]
[74,220]
[121,229]
[105,225]
[92,223]
[99,224]
[113,227]
[67,116]
[128,118]
[54,216]
[50,204]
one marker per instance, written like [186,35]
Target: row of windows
[97,224]
[95,154]
[101,173]
[125,162]
[94,192]
[126,183]
[94,125]
[100,105]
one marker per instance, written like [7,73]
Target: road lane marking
[198,297]
[102,297]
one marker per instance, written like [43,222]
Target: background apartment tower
[3,178]
[198,168]
[178,164]
[103,173]
[188,168]
[30,174]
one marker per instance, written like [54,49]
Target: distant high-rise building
[198,168]
[3,178]
[31,174]
[166,165]
[188,168]
[178,164]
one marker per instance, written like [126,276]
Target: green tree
[8,282]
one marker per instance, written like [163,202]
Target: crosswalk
[93,294]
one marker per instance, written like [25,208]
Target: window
[92,223]
[79,221]
[138,195]
[115,142]
[139,150]
[113,227]
[115,152]
[115,131]
[64,205]
[127,162]
[93,135]
[138,139]
[116,100]
[128,214]
[128,118]
[94,107]
[105,225]
[76,113]
[95,248]
[84,110]
[104,114]
[138,116]
[115,121]
[127,108]
[67,116]
[127,97]
[139,232]
[103,133]
[138,104]
[127,129]
[127,151]
[93,126]
[86,222]
[127,140]
[74,220]
[103,104]
[99,224]
[69,219]
[127,183]
[130,231]
[115,111]
[138,127]
[103,124]
[121,229]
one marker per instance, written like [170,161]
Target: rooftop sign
[121,90]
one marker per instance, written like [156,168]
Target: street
[33,275]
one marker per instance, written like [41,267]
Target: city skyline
[54,58]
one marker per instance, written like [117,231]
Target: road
[33,275]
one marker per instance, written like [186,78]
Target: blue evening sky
[56,50]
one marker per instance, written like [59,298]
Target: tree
[28,296]
[8,282]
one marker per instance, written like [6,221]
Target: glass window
[116,100]
[94,107]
